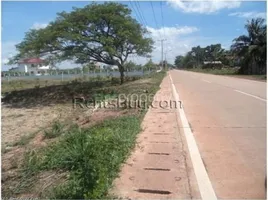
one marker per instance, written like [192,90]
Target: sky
[182,25]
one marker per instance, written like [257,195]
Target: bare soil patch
[19,123]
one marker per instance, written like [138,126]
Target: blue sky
[184,24]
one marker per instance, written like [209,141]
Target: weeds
[55,131]
[92,156]
[223,71]
[25,139]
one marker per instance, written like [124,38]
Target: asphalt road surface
[228,120]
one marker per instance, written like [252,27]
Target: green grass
[228,71]
[17,85]
[91,156]
[223,71]
[37,94]
[253,77]
[56,130]
[261,77]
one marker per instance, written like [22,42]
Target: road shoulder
[160,165]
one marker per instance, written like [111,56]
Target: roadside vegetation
[51,149]
[247,54]
[29,94]
[223,71]
[74,161]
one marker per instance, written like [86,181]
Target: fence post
[61,76]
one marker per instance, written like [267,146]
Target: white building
[103,66]
[33,66]
[212,62]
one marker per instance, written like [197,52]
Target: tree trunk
[122,75]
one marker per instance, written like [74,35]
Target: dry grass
[30,129]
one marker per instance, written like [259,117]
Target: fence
[65,76]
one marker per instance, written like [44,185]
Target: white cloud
[207,7]
[252,14]
[39,25]
[177,42]
[8,51]
[170,32]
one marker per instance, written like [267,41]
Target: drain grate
[157,169]
[160,142]
[165,154]
[161,134]
[153,191]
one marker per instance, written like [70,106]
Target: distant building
[212,62]
[33,66]
[103,66]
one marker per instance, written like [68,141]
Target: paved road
[228,119]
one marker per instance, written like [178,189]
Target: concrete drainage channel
[157,169]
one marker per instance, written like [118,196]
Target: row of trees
[91,67]
[128,66]
[247,52]
[198,55]
[107,33]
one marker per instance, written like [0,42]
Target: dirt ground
[20,122]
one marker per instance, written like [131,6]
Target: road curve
[228,119]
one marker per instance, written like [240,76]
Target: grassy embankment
[229,72]
[83,161]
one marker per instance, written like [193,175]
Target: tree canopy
[198,55]
[247,52]
[103,33]
[251,48]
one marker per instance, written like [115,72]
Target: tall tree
[179,61]
[103,33]
[251,48]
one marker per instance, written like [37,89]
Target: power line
[155,19]
[141,12]
[135,12]
[162,15]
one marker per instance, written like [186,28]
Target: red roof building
[31,61]
[35,66]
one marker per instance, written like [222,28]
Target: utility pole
[162,52]
[166,57]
